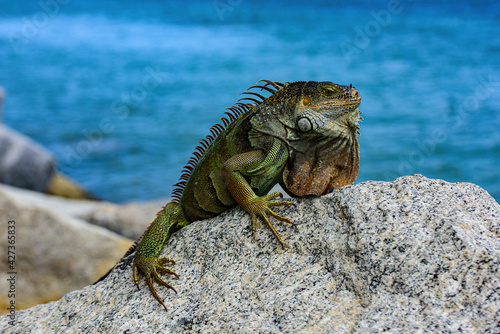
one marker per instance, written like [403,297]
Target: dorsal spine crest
[236,111]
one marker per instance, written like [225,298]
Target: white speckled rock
[410,256]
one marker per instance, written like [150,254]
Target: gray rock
[411,256]
[65,206]
[54,253]
[129,219]
[23,162]
[26,164]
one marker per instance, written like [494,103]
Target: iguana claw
[150,268]
[260,207]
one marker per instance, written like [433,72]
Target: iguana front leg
[262,168]
[146,259]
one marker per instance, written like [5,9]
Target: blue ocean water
[122,91]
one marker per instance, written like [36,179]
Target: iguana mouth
[351,104]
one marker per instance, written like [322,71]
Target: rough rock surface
[54,252]
[411,256]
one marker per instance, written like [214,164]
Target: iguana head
[322,135]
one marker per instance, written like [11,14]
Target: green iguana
[303,136]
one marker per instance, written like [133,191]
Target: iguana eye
[306,100]
[328,91]
[304,124]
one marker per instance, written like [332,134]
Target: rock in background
[24,163]
[59,248]
[128,219]
[410,256]
[54,253]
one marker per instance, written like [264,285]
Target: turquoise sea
[122,91]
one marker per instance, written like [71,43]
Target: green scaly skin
[303,136]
